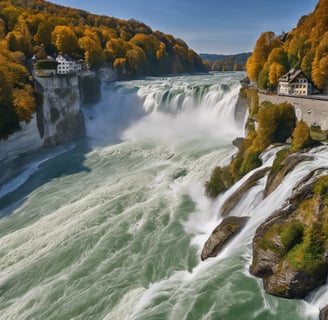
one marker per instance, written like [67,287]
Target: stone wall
[311,110]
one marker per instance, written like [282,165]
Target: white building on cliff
[66,65]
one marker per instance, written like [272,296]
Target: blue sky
[207,26]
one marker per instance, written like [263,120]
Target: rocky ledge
[223,233]
[290,247]
[235,197]
[283,164]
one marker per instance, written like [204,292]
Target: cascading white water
[113,227]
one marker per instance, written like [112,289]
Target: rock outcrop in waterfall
[60,119]
[228,228]
[290,248]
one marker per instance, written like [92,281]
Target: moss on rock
[290,247]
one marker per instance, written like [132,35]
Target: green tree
[276,123]
[263,78]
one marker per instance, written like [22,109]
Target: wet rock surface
[223,233]
[290,247]
[234,199]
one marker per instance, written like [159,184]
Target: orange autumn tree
[320,63]
[263,47]
[93,52]
[17,101]
[65,40]
[24,103]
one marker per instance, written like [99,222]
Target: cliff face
[290,247]
[60,118]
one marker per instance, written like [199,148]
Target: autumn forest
[40,28]
[305,48]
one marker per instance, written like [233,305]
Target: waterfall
[112,227]
[164,102]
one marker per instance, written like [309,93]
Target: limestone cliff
[60,119]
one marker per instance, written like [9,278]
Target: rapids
[112,227]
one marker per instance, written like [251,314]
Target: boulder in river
[228,228]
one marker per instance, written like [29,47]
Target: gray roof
[293,74]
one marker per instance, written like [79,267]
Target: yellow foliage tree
[120,65]
[305,47]
[2,29]
[20,39]
[116,48]
[6,84]
[320,64]
[149,43]
[161,51]
[301,136]
[108,34]
[24,103]
[136,59]
[64,38]
[275,72]
[266,42]
[93,52]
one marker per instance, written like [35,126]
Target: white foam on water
[129,302]
[126,207]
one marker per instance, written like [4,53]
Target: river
[111,227]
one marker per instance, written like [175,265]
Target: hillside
[305,47]
[38,27]
[239,57]
[221,62]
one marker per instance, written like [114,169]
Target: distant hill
[221,62]
[239,58]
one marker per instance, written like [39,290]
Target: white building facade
[66,65]
[295,82]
